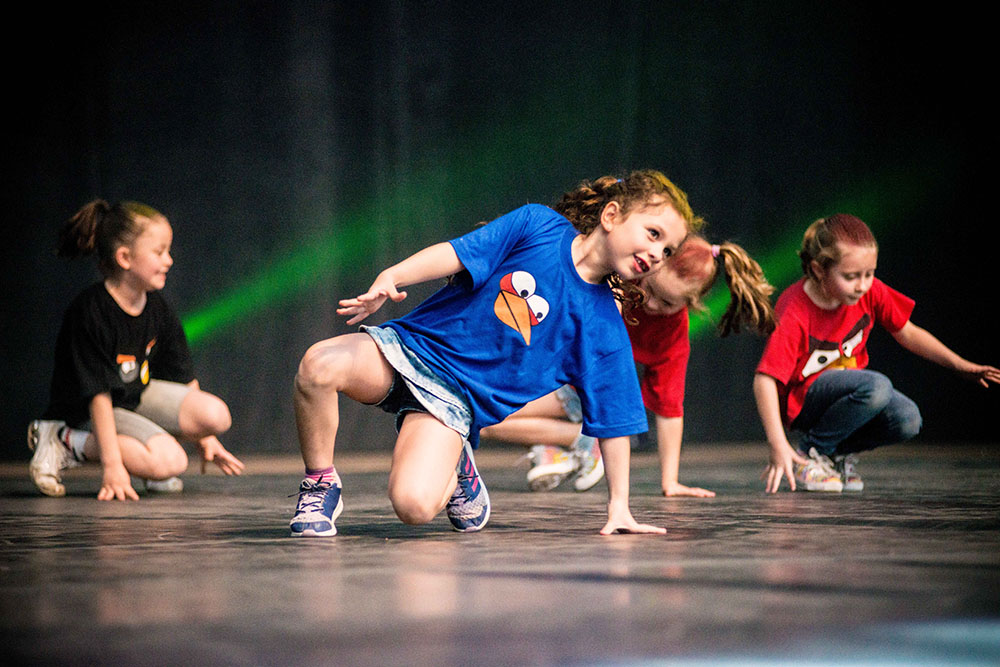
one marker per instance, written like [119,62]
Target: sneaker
[319,506]
[818,474]
[469,506]
[51,456]
[168,485]
[591,464]
[845,466]
[550,467]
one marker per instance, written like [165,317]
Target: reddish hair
[819,243]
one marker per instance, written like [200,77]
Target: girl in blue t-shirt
[123,386]
[531,308]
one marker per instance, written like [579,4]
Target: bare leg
[350,364]
[540,422]
[422,477]
[203,414]
[160,458]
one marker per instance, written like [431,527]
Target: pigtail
[78,235]
[749,292]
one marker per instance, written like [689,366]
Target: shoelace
[826,465]
[311,498]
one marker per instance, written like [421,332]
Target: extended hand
[982,375]
[212,450]
[365,304]
[781,465]
[116,485]
[620,521]
[676,489]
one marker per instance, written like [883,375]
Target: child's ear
[123,257]
[611,215]
[817,270]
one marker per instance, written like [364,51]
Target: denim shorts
[570,401]
[416,388]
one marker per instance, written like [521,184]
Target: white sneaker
[818,474]
[51,456]
[550,467]
[591,464]
[168,485]
[845,465]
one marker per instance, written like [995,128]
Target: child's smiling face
[639,241]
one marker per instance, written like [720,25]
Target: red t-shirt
[809,340]
[660,343]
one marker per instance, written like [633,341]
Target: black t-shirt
[101,348]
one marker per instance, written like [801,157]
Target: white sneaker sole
[47,482]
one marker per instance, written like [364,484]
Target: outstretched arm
[616,453]
[669,433]
[436,261]
[765,392]
[923,343]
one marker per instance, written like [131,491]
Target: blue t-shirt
[520,322]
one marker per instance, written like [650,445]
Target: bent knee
[412,507]
[910,423]
[169,459]
[321,368]
[879,391]
[214,415]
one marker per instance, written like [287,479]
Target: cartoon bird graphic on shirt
[518,306]
[829,355]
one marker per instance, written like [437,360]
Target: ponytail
[749,292]
[101,228]
[78,236]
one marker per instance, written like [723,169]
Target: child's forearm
[923,343]
[765,392]
[616,453]
[669,434]
[431,263]
[103,418]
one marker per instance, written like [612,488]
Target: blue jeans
[848,411]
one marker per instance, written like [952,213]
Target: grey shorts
[158,412]
[416,388]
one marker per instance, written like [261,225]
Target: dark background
[298,147]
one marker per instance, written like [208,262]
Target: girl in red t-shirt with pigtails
[824,323]
[658,330]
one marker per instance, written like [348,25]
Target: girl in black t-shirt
[123,388]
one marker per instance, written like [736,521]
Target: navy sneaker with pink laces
[469,506]
[319,506]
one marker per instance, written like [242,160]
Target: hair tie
[715,251]
[620,180]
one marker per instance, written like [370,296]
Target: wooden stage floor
[907,572]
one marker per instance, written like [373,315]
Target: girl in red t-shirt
[658,330]
[824,323]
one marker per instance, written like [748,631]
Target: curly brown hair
[583,207]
